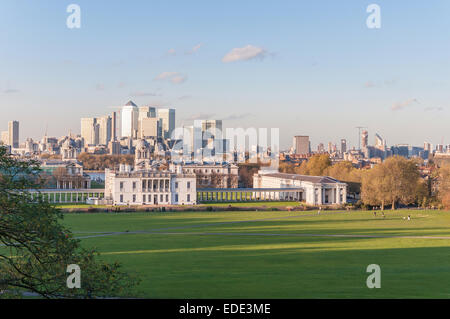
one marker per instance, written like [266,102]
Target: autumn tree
[35,249]
[444,185]
[315,166]
[396,180]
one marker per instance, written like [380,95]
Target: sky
[306,67]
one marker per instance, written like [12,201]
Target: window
[134,185]
[144,184]
[161,198]
[188,184]
[176,185]
[167,198]
[188,197]
[143,199]
[134,198]
[121,185]
[176,198]
[121,198]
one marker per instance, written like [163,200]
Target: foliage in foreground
[35,249]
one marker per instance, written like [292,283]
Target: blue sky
[317,69]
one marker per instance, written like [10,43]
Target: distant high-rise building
[320,148]
[5,138]
[114,147]
[380,143]
[301,145]
[104,130]
[129,119]
[427,146]
[114,122]
[343,146]
[146,111]
[440,148]
[364,139]
[149,127]
[13,134]
[211,125]
[167,117]
[90,131]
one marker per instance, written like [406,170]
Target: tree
[36,249]
[345,172]
[396,180]
[315,166]
[444,185]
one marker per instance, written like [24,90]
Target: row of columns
[66,197]
[155,185]
[224,196]
[336,195]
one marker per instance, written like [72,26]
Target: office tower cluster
[118,132]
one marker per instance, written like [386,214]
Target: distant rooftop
[306,178]
[130,103]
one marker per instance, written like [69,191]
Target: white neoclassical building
[314,190]
[149,187]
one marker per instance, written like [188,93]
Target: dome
[141,144]
[69,143]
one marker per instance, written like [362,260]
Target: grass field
[212,204]
[275,254]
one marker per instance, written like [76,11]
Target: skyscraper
[5,137]
[130,117]
[343,145]
[301,145]
[167,117]
[114,122]
[380,143]
[104,130]
[146,112]
[364,139]
[13,134]
[90,131]
[211,125]
[149,127]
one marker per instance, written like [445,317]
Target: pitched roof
[130,103]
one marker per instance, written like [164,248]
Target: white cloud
[194,49]
[246,53]
[401,105]
[178,79]
[174,77]
[166,75]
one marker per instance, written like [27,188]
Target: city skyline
[392,80]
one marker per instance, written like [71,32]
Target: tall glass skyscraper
[130,116]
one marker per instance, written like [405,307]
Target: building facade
[149,187]
[301,145]
[90,131]
[13,134]
[129,119]
[313,190]
[167,118]
[211,175]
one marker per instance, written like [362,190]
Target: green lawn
[275,254]
[252,204]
